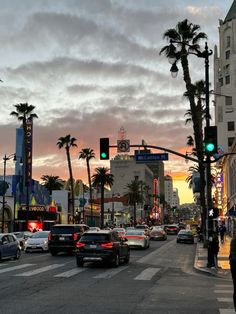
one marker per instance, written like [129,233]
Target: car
[137,238]
[38,242]
[9,246]
[102,246]
[120,231]
[171,229]
[63,237]
[157,233]
[185,236]
[143,227]
[94,228]
[22,236]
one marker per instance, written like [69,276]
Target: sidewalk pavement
[223,269]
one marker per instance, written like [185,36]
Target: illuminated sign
[28,151]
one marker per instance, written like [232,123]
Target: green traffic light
[210,147]
[103,155]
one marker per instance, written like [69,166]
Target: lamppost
[5,159]
[113,206]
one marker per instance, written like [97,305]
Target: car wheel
[18,253]
[79,262]
[127,258]
[116,260]
[53,252]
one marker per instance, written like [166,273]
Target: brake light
[108,245]
[49,236]
[80,244]
[75,236]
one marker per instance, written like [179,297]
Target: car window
[135,232]
[11,238]
[62,230]
[94,237]
[5,239]
[41,234]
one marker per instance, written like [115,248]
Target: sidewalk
[200,262]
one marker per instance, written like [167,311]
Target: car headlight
[45,242]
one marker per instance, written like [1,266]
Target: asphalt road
[159,280]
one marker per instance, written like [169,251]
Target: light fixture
[174,70]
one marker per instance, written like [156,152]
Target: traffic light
[104,148]
[211,140]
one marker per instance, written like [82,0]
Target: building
[175,198]
[168,190]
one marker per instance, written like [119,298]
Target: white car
[38,242]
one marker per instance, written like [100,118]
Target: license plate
[34,247]
[62,238]
[92,246]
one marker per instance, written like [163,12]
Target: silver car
[137,238]
[38,242]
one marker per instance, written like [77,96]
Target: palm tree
[52,183]
[24,112]
[69,142]
[88,154]
[187,36]
[134,195]
[102,178]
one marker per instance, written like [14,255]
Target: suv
[102,246]
[63,238]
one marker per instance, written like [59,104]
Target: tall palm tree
[67,142]
[88,154]
[135,196]
[24,112]
[102,178]
[188,37]
[52,182]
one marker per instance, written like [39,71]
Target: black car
[185,236]
[63,237]
[102,246]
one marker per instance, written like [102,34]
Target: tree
[88,154]
[67,142]
[134,195]
[188,36]
[102,178]
[52,183]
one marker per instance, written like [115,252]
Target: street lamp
[5,159]
[113,206]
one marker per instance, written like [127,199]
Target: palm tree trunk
[102,206]
[90,191]
[71,183]
[135,222]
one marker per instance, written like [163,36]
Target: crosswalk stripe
[227,311]
[40,270]
[224,286]
[223,291]
[5,270]
[71,272]
[110,273]
[227,300]
[147,274]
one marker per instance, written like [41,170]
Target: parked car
[9,246]
[185,236]
[38,242]
[137,238]
[22,236]
[102,246]
[120,231]
[157,233]
[171,229]
[63,237]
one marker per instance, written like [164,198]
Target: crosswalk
[224,293]
[30,270]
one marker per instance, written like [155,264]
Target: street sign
[151,157]
[123,146]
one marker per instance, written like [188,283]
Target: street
[160,279]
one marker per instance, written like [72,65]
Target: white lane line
[147,274]
[5,270]
[227,311]
[223,291]
[110,273]
[70,273]
[227,300]
[40,270]
[224,286]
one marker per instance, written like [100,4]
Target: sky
[91,67]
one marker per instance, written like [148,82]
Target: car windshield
[119,229]
[19,234]
[185,232]
[134,232]
[40,234]
[94,237]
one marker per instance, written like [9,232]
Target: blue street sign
[151,157]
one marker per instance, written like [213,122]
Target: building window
[230,125]
[227,41]
[230,141]
[227,79]
[221,81]
[227,54]
[228,101]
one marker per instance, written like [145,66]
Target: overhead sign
[123,146]
[151,157]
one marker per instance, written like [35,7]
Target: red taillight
[75,236]
[49,236]
[80,244]
[135,237]
[108,245]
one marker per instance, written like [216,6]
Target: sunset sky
[91,67]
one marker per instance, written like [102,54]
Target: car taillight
[108,245]
[75,236]
[80,244]
[49,236]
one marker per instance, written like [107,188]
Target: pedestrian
[232,262]
[213,250]
[222,231]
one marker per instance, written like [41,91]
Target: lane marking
[110,273]
[224,286]
[147,274]
[70,273]
[227,300]
[5,270]
[227,311]
[39,270]
[223,291]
